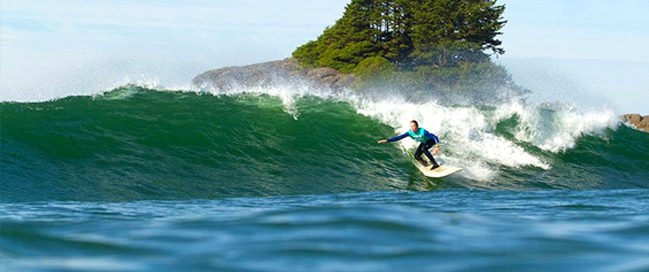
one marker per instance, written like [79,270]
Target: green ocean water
[142,179]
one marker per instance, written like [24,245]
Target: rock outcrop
[637,120]
[273,73]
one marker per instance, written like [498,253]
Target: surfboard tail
[439,172]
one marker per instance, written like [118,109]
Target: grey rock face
[273,73]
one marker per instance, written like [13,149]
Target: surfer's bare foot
[434,167]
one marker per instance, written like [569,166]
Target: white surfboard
[439,172]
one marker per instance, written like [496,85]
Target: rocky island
[440,47]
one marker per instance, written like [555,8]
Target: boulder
[644,124]
[632,118]
[637,120]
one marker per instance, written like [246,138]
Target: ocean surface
[284,179]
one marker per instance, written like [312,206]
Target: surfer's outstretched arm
[395,138]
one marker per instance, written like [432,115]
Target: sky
[586,51]
[594,52]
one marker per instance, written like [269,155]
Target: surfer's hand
[436,150]
[382,141]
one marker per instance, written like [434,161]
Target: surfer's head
[414,126]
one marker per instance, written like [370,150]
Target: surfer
[426,141]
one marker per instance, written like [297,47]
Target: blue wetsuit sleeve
[432,136]
[396,138]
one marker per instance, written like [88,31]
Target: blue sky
[593,51]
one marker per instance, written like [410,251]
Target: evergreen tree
[411,34]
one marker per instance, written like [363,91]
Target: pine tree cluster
[409,34]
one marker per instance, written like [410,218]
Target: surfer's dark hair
[415,121]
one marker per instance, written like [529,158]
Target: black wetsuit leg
[423,148]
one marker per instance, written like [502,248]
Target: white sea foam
[556,127]
[467,135]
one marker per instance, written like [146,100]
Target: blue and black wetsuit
[426,141]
